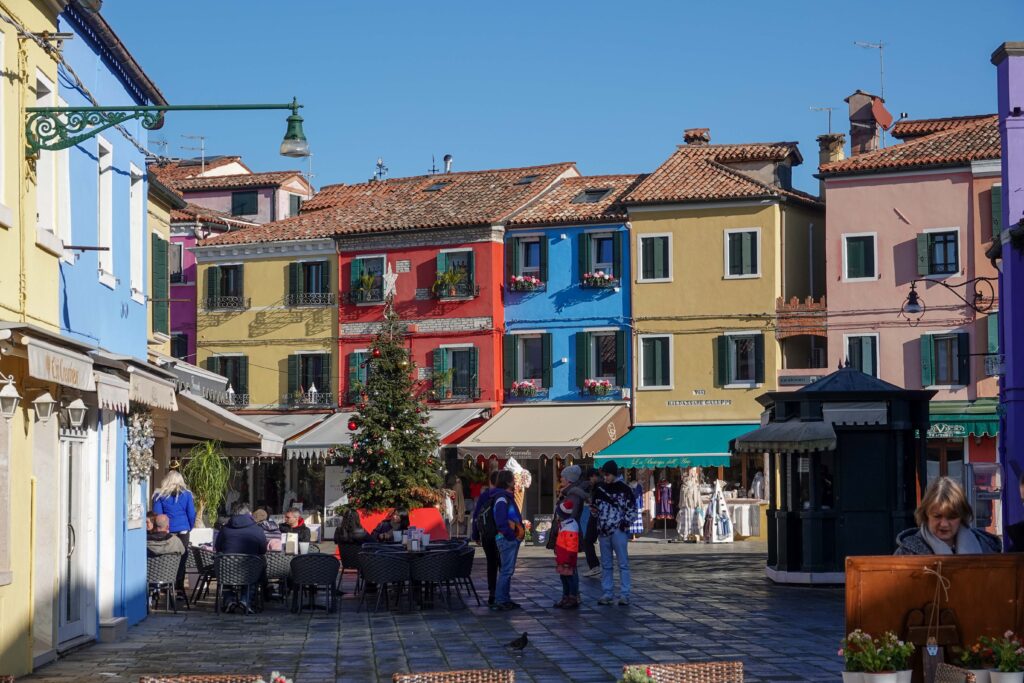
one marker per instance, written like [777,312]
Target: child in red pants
[567,547]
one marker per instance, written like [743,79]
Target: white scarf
[966,542]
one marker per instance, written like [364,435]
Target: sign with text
[699,402]
[53,364]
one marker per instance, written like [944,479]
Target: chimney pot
[863,125]
[830,148]
[697,136]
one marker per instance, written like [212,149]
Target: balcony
[794,318]
[366,296]
[233,400]
[227,303]
[455,394]
[310,299]
[462,290]
[309,399]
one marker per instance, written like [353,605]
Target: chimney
[863,123]
[697,136]
[447,163]
[830,148]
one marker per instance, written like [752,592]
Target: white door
[74,540]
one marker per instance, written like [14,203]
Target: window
[294,204]
[531,365]
[862,352]
[600,252]
[859,257]
[309,284]
[309,379]
[179,346]
[358,373]
[601,355]
[527,179]
[105,171]
[938,252]
[997,210]
[741,253]
[655,362]
[455,373]
[529,256]
[236,369]
[225,287]
[740,360]
[160,291]
[655,262]
[604,363]
[174,263]
[526,257]
[945,359]
[455,276]
[527,357]
[136,221]
[366,280]
[244,203]
[438,186]
[591,196]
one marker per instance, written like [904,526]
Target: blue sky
[608,85]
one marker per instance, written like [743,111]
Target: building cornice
[264,250]
[699,206]
[1014,49]
[895,174]
[410,239]
[987,167]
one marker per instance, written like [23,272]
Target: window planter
[597,387]
[366,296]
[526,283]
[462,290]
[599,280]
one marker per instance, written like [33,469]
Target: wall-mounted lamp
[563,360]
[9,398]
[563,236]
[44,405]
[76,413]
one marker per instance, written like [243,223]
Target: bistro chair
[694,672]
[432,570]
[203,559]
[313,548]
[464,676]
[161,575]
[207,678]
[310,572]
[349,553]
[278,572]
[384,570]
[242,574]
[464,572]
[947,673]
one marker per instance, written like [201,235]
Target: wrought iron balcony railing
[233,400]
[455,394]
[310,299]
[463,290]
[309,398]
[366,296]
[238,303]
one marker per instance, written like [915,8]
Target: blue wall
[565,308]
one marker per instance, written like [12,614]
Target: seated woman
[397,521]
[944,517]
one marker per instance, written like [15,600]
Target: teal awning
[674,446]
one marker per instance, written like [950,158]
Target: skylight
[590,196]
[438,186]
[527,179]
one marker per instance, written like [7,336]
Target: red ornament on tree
[353,425]
[376,353]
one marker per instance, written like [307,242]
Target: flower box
[524,389]
[599,280]
[597,387]
[525,283]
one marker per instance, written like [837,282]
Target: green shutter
[927,360]
[293,374]
[323,383]
[325,277]
[474,371]
[470,271]
[748,251]
[354,363]
[617,255]
[160,286]
[723,360]
[582,357]
[759,359]
[355,270]
[240,287]
[511,259]
[543,258]
[442,262]
[213,364]
[869,355]
[243,375]
[294,278]
[963,358]
[993,332]
[584,254]
[997,210]
[621,357]
[648,257]
[661,256]
[923,260]
[545,360]
[508,370]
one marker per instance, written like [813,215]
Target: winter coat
[180,509]
[241,535]
[482,501]
[910,542]
[507,516]
[616,505]
[163,544]
[567,547]
[301,529]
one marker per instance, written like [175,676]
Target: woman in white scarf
[944,519]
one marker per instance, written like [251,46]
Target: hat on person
[566,507]
[610,468]
[259,516]
[572,473]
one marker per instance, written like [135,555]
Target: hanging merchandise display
[636,527]
[664,504]
[523,480]
[718,526]
[690,520]
[758,490]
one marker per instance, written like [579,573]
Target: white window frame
[521,243]
[136,223]
[959,255]
[592,370]
[105,211]
[595,265]
[743,384]
[878,348]
[725,252]
[671,363]
[383,269]
[47,235]
[640,257]
[521,356]
[181,263]
[874,243]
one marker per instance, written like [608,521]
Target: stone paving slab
[690,603]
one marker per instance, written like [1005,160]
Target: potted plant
[207,473]
[979,659]
[524,283]
[1008,654]
[599,278]
[441,383]
[366,285]
[447,283]
[637,674]
[874,660]
[597,387]
[524,389]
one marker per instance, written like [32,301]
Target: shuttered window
[307,371]
[945,359]
[742,253]
[997,210]
[600,252]
[938,253]
[859,256]
[654,257]
[366,279]
[244,203]
[161,287]
[294,204]
[655,361]
[739,359]
[862,352]
[358,372]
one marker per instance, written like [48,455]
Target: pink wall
[183,313]
[897,208]
[220,200]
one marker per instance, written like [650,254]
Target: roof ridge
[936,119]
[739,174]
[411,178]
[777,143]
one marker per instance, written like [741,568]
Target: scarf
[966,542]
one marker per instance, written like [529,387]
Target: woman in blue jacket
[175,500]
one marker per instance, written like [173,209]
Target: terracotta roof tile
[193,212]
[912,128]
[233,182]
[458,200]
[171,171]
[956,146]
[558,206]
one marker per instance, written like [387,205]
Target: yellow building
[719,238]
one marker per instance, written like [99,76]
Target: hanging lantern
[353,425]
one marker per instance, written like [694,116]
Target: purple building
[1009,61]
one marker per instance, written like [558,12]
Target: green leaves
[207,473]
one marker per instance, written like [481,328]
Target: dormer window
[591,196]
[438,186]
[527,179]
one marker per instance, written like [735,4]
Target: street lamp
[9,397]
[44,405]
[56,128]
[76,413]
[984,297]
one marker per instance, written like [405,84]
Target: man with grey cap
[571,490]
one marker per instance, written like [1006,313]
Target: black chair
[310,572]
[384,570]
[349,553]
[464,572]
[434,570]
[161,575]
[314,548]
[242,575]
[203,560]
[278,572]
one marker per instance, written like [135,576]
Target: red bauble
[353,425]
[376,353]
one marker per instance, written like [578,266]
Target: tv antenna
[161,144]
[433,170]
[201,149]
[828,110]
[382,170]
[880,46]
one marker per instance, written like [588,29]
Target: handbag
[553,534]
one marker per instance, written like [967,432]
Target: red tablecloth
[428,519]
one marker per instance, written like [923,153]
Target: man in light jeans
[614,503]
[509,522]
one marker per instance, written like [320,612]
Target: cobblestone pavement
[690,603]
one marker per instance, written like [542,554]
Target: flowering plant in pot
[597,387]
[524,283]
[525,388]
[978,659]
[875,660]
[1008,655]
[599,278]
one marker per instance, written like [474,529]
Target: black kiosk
[845,457]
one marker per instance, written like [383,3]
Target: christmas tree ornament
[353,425]
[375,353]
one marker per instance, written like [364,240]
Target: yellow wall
[268,331]
[700,303]
[158,214]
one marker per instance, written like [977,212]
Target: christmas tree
[394,451]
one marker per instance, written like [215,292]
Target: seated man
[241,534]
[160,541]
[294,524]
[270,528]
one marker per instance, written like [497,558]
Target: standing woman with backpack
[508,521]
[481,511]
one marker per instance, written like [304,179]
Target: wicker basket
[947,673]
[464,676]
[694,672]
[212,678]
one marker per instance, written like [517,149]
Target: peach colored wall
[897,208]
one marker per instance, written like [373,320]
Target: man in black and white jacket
[614,506]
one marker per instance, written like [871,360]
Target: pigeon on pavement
[519,644]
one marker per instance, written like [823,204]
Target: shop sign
[797,380]
[945,430]
[53,364]
[152,391]
[694,403]
[513,452]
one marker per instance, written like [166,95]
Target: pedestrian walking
[614,506]
[588,527]
[175,500]
[487,541]
[508,521]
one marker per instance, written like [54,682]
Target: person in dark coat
[242,535]
[944,517]
[588,536]
[490,545]
[294,524]
[398,520]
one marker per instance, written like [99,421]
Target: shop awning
[448,423]
[150,390]
[531,431]
[199,381]
[288,425]
[958,419]
[319,443]
[112,392]
[673,446]
[52,363]
[200,420]
[792,436]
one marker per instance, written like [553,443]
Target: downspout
[810,256]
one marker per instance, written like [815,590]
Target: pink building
[918,214]
[223,194]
